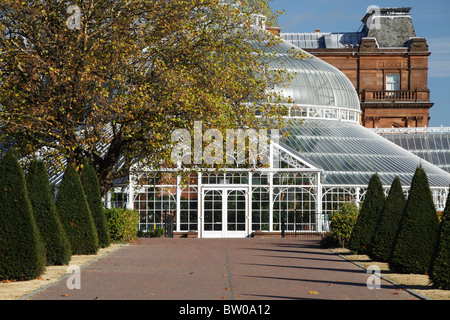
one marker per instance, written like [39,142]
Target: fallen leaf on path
[313,292]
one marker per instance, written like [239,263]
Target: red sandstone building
[386,62]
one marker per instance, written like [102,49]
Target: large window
[392,84]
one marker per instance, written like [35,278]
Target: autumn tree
[110,80]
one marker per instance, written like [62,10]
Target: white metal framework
[325,159]
[240,202]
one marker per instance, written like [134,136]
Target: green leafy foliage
[329,241]
[369,217]
[22,252]
[154,233]
[419,228]
[390,223]
[439,271]
[91,188]
[343,221]
[75,214]
[47,219]
[122,224]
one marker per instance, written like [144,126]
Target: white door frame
[224,233]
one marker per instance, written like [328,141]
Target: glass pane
[260,209]
[236,211]
[213,211]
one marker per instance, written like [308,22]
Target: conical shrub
[75,215]
[91,188]
[47,219]
[368,218]
[439,271]
[22,252]
[389,225]
[418,229]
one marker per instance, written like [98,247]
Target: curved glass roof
[315,82]
[433,147]
[350,154]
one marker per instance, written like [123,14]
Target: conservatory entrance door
[224,213]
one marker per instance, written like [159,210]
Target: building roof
[315,82]
[430,145]
[391,27]
[350,154]
[324,40]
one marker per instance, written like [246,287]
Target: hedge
[122,224]
[22,251]
[439,271]
[75,214]
[419,229]
[390,223]
[342,223]
[47,219]
[91,188]
[368,218]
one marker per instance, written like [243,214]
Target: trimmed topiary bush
[122,224]
[91,188]
[418,229]
[22,252]
[439,271]
[342,223]
[389,225]
[47,219]
[329,241]
[368,218]
[75,214]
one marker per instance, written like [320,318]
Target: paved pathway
[228,269]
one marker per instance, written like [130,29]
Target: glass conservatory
[325,160]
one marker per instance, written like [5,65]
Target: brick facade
[392,81]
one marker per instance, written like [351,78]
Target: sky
[431,19]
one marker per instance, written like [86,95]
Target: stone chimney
[392,27]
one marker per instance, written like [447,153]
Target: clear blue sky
[431,19]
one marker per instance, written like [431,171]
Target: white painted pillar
[130,205]
[108,200]
[249,204]
[271,201]
[320,218]
[178,211]
[199,206]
